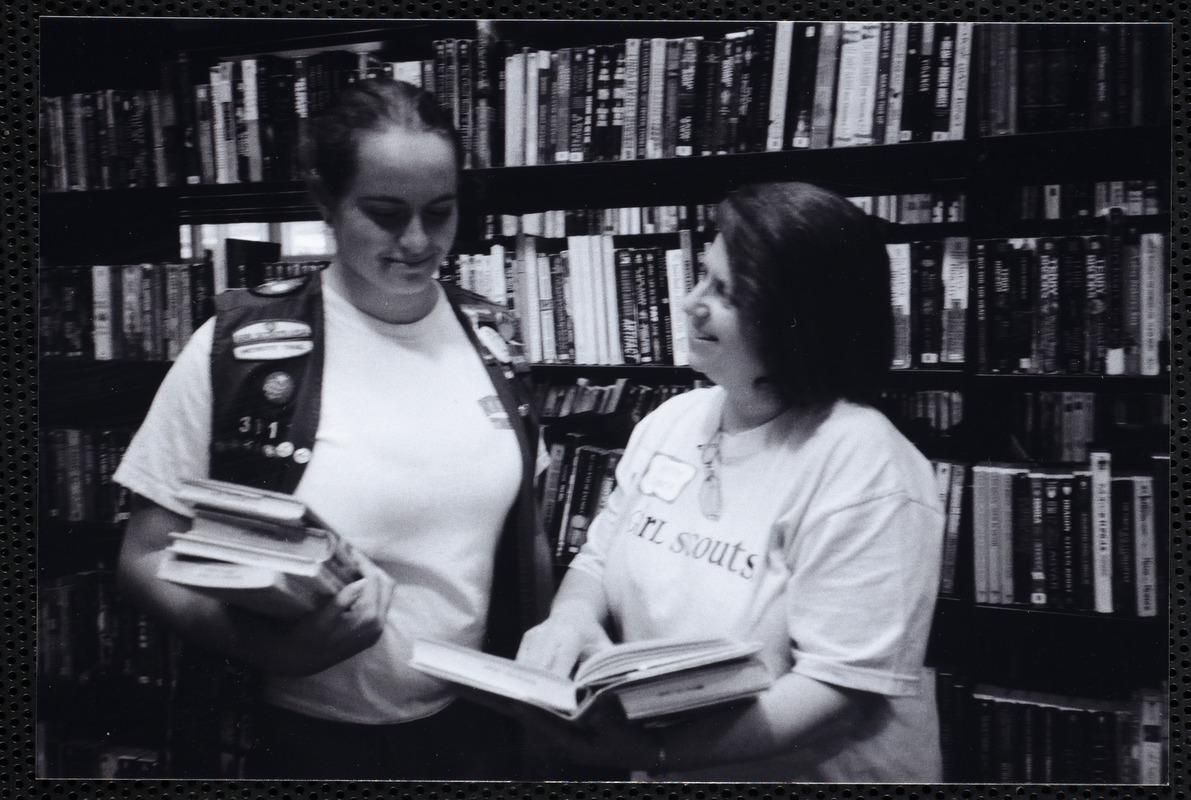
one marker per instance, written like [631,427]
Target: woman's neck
[392,309]
[749,408]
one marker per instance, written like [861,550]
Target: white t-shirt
[826,552]
[415,462]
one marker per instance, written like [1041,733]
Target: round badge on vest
[278,387]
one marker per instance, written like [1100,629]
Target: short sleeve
[172,444]
[861,593]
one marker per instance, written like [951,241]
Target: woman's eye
[385,215]
[439,214]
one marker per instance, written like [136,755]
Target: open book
[649,679]
[261,550]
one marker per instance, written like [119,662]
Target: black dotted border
[18,343]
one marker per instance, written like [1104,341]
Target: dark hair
[375,104]
[811,277]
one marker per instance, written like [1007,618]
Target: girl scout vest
[266,381]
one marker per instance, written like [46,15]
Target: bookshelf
[1013,647]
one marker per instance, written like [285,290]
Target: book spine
[578,94]
[927,289]
[1053,534]
[532,108]
[1072,304]
[1131,300]
[1084,598]
[632,95]
[514,127]
[940,129]
[1022,558]
[980,533]
[1153,312]
[625,283]
[1039,551]
[1124,578]
[250,132]
[560,113]
[1102,530]
[645,337]
[779,88]
[672,82]
[687,98]
[656,104]
[546,312]
[564,322]
[102,323]
[1047,359]
[466,101]
[947,583]
[955,299]
[616,130]
[881,96]
[1096,300]
[825,73]
[899,272]
[1114,356]
[710,56]
[848,85]
[1145,550]
[960,78]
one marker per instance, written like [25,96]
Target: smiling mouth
[410,264]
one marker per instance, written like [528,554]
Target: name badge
[273,351]
[271,330]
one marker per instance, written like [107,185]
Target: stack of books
[260,550]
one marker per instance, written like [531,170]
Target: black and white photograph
[661,401]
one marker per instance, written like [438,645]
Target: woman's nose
[694,306]
[413,236]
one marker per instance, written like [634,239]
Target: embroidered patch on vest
[271,330]
[273,351]
[495,411]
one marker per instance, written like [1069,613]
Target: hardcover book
[649,679]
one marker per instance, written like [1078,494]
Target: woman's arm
[786,715]
[347,623]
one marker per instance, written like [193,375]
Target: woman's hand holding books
[347,623]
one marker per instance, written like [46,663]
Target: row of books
[109,139]
[767,87]
[1030,78]
[1084,199]
[628,294]
[123,312]
[626,221]
[76,467]
[1074,304]
[1027,737]
[87,636]
[937,411]
[1064,426]
[1081,539]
